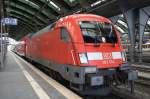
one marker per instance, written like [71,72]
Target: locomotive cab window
[98,32]
[65,35]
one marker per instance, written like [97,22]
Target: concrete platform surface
[21,80]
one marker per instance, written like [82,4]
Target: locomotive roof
[77,16]
[74,16]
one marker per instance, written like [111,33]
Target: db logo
[107,55]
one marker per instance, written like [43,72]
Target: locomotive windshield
[98,32]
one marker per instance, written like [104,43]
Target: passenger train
[19,48]
[85,50]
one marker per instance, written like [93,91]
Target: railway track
[144,82]
[140,67]
[111,96]
[144,77]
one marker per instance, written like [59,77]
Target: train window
[65,35]
[98,32]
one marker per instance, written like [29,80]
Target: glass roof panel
[28,1]
[120,29]
[148,22]
[121,15]
[123,23]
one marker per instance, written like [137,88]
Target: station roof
[33,15]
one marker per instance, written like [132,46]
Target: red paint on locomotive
[49,46]
[77,46]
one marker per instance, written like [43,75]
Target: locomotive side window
[98,32]
[65,35]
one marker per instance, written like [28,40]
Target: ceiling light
[97,2]
[54,5]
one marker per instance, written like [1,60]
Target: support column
[130,18]
[1,47]
[144,16]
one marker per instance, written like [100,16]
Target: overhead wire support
[1,46]
[1,35]
[3,43]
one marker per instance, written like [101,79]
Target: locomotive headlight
[123,56]
[83,58]
[90,70]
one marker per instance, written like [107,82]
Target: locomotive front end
[101,58]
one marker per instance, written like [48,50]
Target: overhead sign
[9,21]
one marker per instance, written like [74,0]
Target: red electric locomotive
[85,50]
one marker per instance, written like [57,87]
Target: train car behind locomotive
[19,48]
[85,50]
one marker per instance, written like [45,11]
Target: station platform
[20,80]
